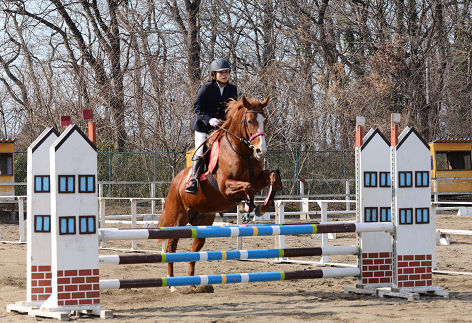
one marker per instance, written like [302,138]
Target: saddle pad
[215,148]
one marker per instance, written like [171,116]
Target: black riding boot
[192,188]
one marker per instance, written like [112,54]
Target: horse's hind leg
[203,219]
[171,247]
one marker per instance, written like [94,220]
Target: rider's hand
[214,122]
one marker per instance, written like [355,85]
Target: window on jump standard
[42,223]
[41,184]
[67,225]
[66,183]
[87,224]
[86,183]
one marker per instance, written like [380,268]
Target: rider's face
[222,76]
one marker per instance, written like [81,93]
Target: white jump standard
[408,263]
[62,263]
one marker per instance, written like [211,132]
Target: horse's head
[254,125]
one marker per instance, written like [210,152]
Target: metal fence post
[296,166]
[155,166]
[153,195]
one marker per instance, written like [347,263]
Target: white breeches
[200,138]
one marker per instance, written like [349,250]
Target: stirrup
[192,188]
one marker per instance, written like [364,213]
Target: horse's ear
[264,103]
[245,102]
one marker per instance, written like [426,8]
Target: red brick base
[78,287]
[41,283]
[376,268]
[415,271]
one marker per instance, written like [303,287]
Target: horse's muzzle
[259,153]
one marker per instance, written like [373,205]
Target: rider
[210,112]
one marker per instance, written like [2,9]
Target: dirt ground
[321,300]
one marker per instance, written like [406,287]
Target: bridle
[248,139]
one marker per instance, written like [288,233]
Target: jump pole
[228,279]
[266,230]
[225,255]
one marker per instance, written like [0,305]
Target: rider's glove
[214,122]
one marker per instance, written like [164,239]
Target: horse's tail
[162,219]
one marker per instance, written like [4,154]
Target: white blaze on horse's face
[260,148]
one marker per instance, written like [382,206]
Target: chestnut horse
[238,175]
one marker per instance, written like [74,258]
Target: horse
[238,175]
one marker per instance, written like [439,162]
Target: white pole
[239,221]
[153,202]
[348,192]
[21,219]
[279,219]
[305,208]
[115,234]
[101,210]
[302,204]
[134,244]
[434,265]
[324,237]
[341,272]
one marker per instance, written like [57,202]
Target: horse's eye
[249,121]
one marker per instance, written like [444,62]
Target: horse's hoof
[173,289]
[257,211]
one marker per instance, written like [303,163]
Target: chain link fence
[131,174]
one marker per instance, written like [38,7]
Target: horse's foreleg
[233,190]
[272,178]
[203,219]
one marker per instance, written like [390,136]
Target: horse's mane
[235,111]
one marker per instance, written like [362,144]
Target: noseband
[256,135]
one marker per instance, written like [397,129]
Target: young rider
[210,112]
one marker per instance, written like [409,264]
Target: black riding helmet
[219,64]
